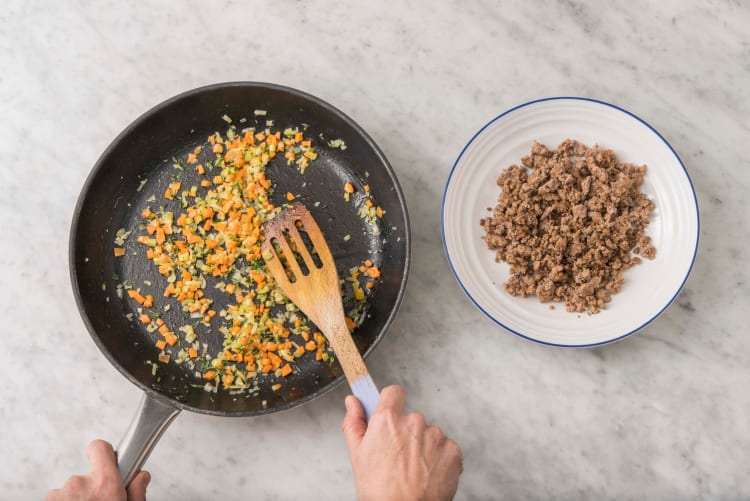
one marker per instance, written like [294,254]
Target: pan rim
[125,133]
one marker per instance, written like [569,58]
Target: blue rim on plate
[497,320]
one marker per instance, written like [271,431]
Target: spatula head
[313,285]
[310,281]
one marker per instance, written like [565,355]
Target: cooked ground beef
[567,222]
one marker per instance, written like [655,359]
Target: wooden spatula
[316,292]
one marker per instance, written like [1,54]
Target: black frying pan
[115,194]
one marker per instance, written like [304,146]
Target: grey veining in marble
[664,414]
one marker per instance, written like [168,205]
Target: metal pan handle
[150,421]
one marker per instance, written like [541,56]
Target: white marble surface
[662,415]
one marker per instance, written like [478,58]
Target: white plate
[649,287]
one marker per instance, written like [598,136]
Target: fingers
[435,436]
[454,450]
[137,488]
[102,459]
[75,484]
[453,466]
[416,421]
[453,456]
[75,487]
[54,495]
[391,398]
[355,423]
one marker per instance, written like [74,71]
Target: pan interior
[134,173]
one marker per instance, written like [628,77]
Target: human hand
[103,482]
[396,455]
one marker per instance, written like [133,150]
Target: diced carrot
[311,346]
[170,338]
[379,211]
[192,352]
[289,196]
[201,170]
[368,203]
[161,344]
[366,188]
[145,319]
[205,183]
[210,374]
[148,302]
[136,295]
[350,323]
[286,369]
[374,272]
[349,187]
[230,288]
[275,360]
[191,158]
[119,251]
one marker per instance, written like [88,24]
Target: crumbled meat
[568,221]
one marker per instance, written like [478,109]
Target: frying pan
[134,172]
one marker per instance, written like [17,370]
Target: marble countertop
[664,414]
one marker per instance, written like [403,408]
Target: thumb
[355,423]
[137,488]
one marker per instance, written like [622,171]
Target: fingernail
[348,402]
[148,478]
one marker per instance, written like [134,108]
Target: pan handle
[150,421]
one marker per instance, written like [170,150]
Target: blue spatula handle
[365,390]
